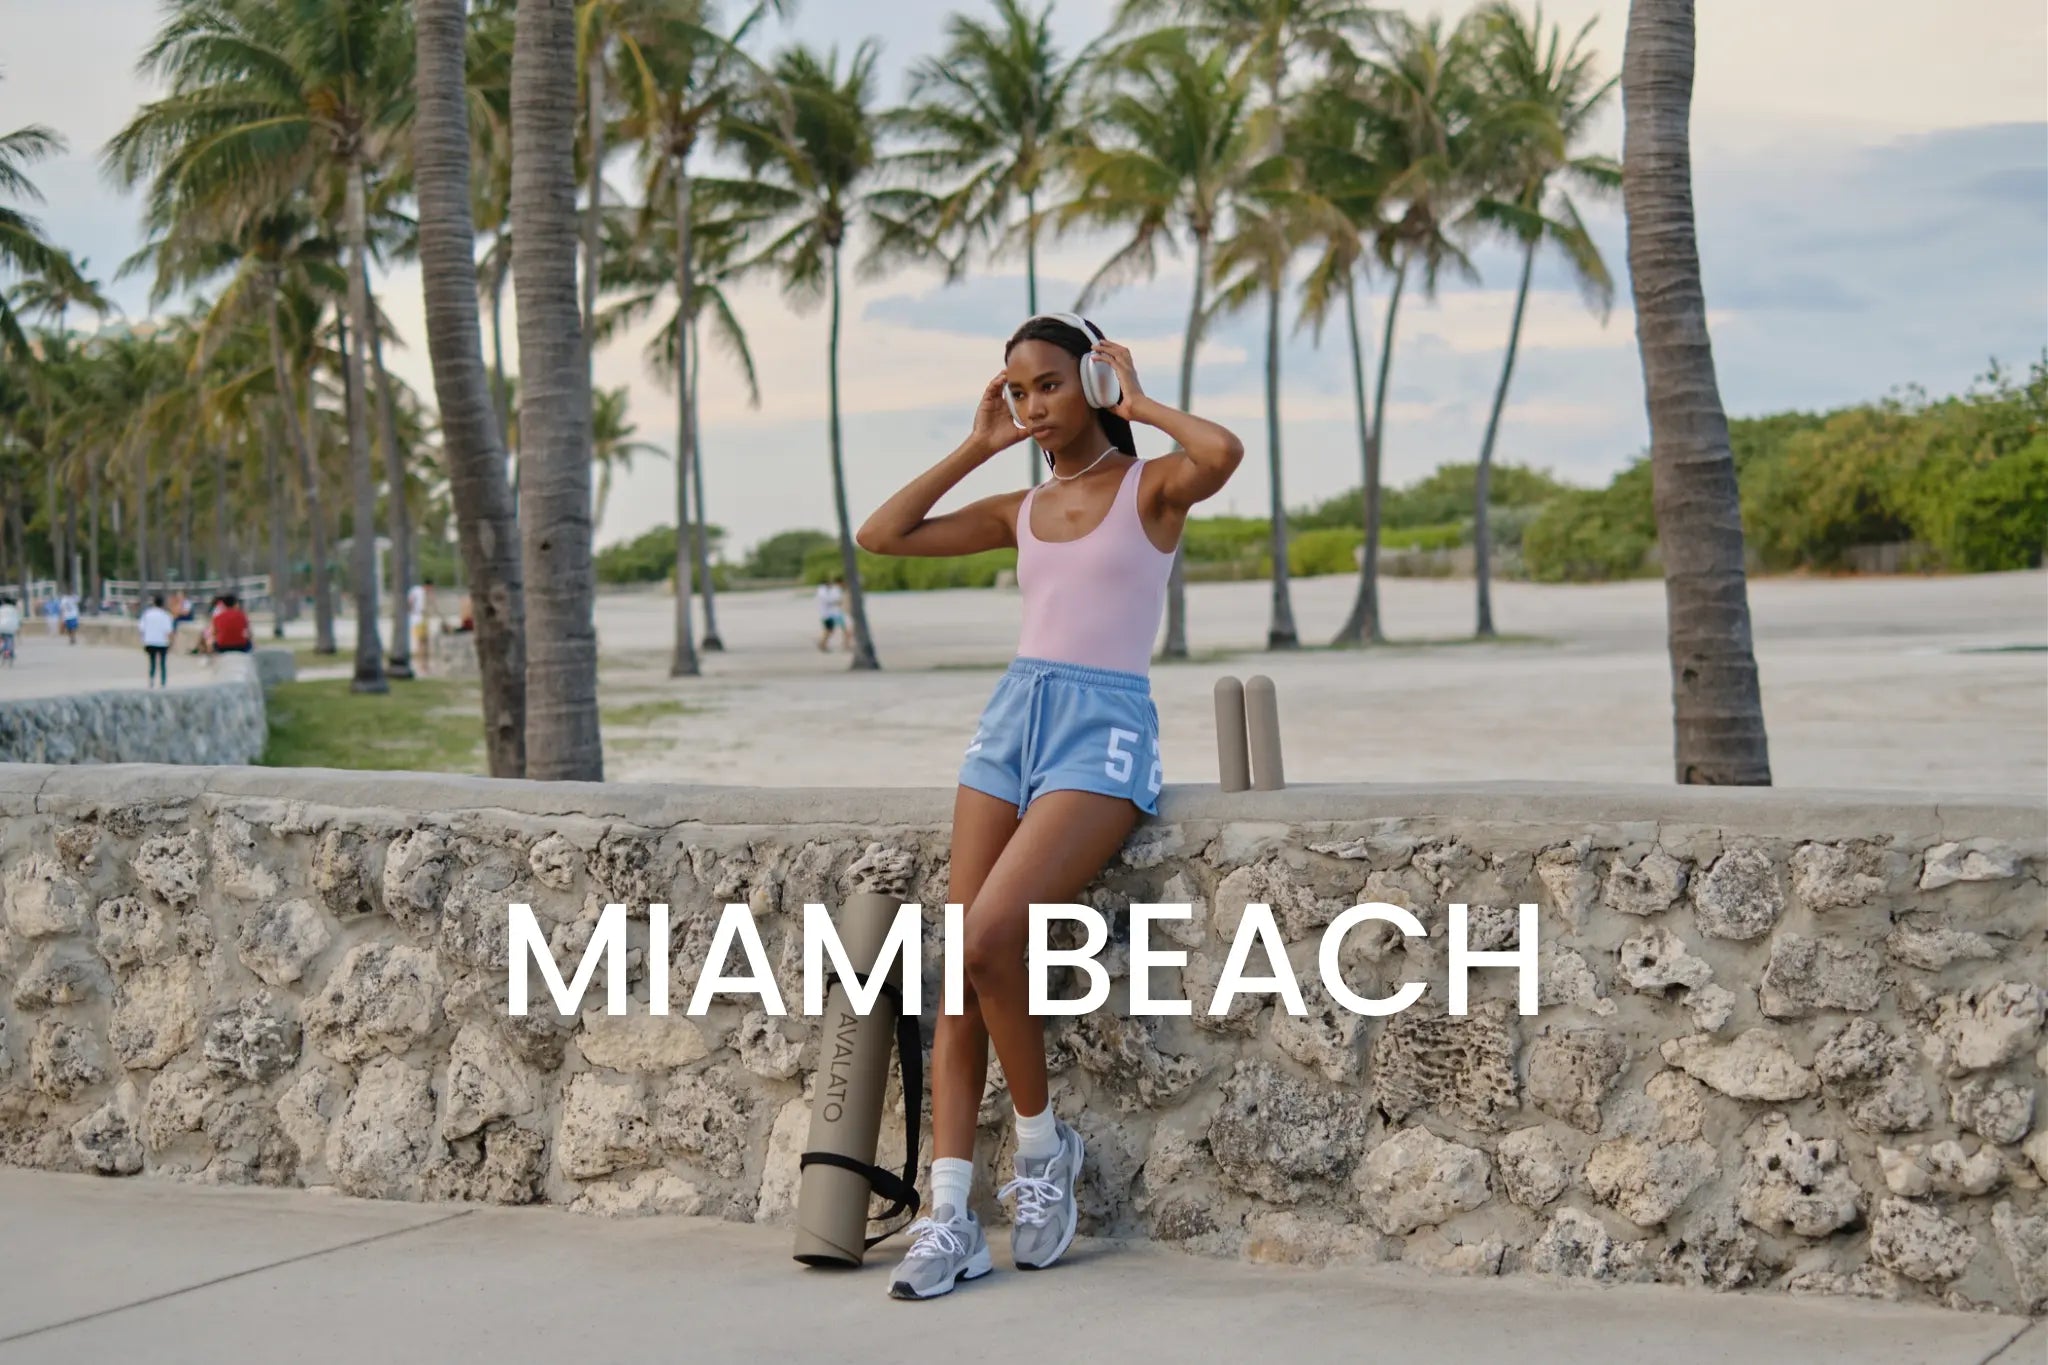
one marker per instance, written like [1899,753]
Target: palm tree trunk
[683,662]
[1280,632]
[219,569]
[56,537]
[369,670]
[280,568]
[485,522]
[1716,701]
[398,513]
[593,221]
[1482,541]
[856,599]
[142,561]
[1176,644]
[711,641]
[94,588]
[1363,625]
[501,392]
[1031,450]
[309,479]
[185,515]
[1357,370]
[563,742]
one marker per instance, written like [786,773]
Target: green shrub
[2001,512]
[1328,550]
[784,554]
[647,558]
[1587,535]
[912,573]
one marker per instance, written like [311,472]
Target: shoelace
[934,1239]
[1036,1196]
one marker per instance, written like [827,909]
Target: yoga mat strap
[900,1191]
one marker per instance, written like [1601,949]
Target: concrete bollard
[1233,757]
[1262,725]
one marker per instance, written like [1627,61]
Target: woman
[1066,756]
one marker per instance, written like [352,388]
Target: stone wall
[1786,1040]
[219,722]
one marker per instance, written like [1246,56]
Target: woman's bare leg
[982,825]
[1060,846]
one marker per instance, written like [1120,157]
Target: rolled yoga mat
[1233,757]
[838,1170]
[1262,724]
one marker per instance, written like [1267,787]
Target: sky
[1870,186]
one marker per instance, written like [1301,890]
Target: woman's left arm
[1208,455]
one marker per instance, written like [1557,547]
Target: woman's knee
[993,952]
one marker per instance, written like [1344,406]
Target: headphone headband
[1074,320]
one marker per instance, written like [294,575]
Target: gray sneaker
[944,1249]
[1044,1225]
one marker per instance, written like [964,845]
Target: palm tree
[1547,95]
[1166,151]
[721,228]
[485,521]
[563,741]
[820,163]
[611,441]
[275,94]
[1421,89]
[1718,709]
[685,77]
[1341,141]
[994,114]
[23,251]
[1271,220]
[274,259]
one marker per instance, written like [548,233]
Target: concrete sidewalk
[101,1270]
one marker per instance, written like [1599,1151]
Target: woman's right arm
[903,525]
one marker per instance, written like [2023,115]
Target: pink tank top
[1095,601]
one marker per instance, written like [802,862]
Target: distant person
[204,644]
[832,612]
[157,626]
[419,606]
[10,627]
[67,611]
[181,608]
[231,627]
[468,621]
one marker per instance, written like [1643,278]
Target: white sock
[952,1181]
[1037,1136]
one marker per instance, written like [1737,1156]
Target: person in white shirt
[67,610]
[157,627]
[10,626]
[831,613]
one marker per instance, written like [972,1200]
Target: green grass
[646,712]
[423,725]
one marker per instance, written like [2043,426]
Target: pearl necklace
[1067,478]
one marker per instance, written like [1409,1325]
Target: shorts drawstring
[1036,672]
[1034,697]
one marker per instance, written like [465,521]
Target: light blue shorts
[1063,727]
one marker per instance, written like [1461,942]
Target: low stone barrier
[1784,1040]
[222,721]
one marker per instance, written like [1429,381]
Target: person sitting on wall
[231,627]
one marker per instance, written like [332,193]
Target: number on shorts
[1119,765]
[1152,782]
[975,745]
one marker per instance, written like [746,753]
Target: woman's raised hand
[1119,358]
[993,428]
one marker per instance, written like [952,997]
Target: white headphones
[1098,377]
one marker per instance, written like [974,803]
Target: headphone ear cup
[1099,382]
[1016,419]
